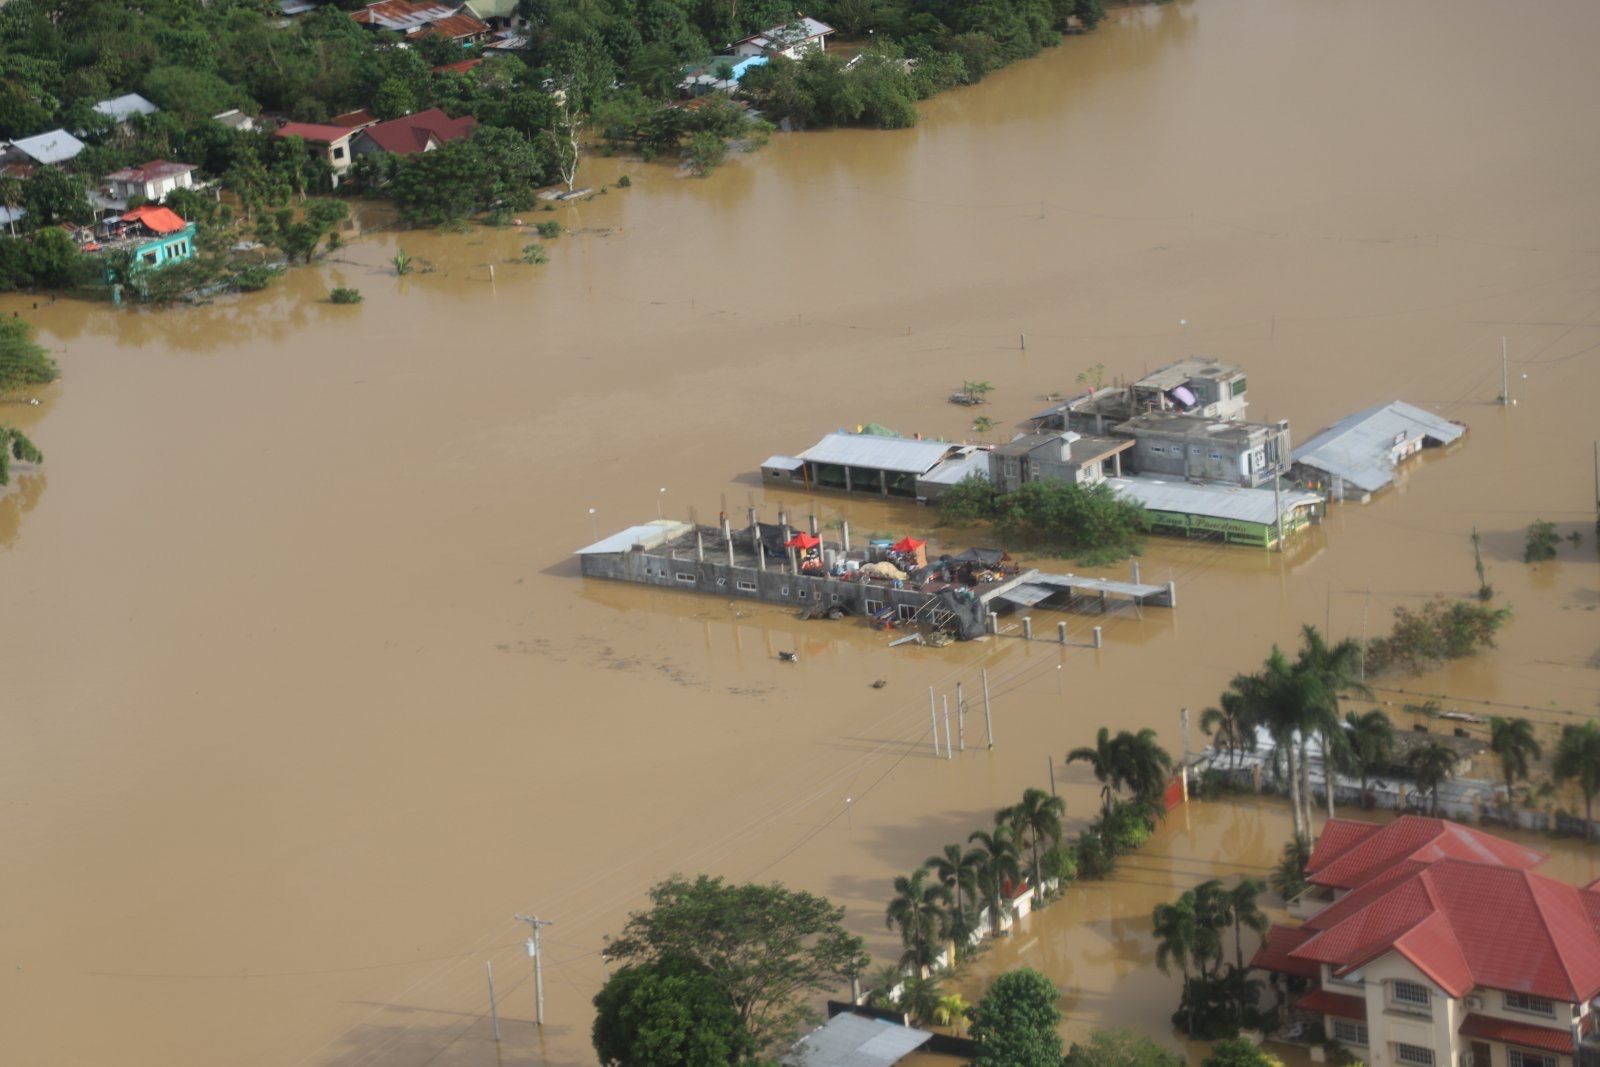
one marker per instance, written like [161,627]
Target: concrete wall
[1209,458]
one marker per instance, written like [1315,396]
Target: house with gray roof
[120,109]
[44,149]
[1362,453]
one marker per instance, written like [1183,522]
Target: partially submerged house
[793,40]
[1221,512]
[1362,453]
[1426,943]
[867,463]
[1196,448]
[423,132]
[1064,456]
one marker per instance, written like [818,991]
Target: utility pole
[1277,503]
[949,749]
[538,961]
[988,720]
[961,718]
[1505,375]
[933,717]
[494,1012]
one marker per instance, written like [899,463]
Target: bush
[549,230]
[624,181]
[705,152]
[254,278]
[22,362]
[1541,543]
[534,253]
[345,296]
[1441,630]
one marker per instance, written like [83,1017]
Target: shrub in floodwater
[1440,630]
[1541,544]
[549,230]
[254,278]
[624,181]
[534,253]
[402,263]
[345,296]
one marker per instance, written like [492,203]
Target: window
[803,594]
[784,591]
[1516,1057]
[1413,1055]
[686,579]
[906,612]
[1238,390]
[149,258]
[338,153]
[1159,450]
[744,586]
[1194,450]
[1410,996]
[1215,454]
[1531,1005]
[1350,1033]
[721,580]
[874,606]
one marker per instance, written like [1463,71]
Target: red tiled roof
[1343,1005]
[1514,1032]
[1467,924]
[313,132]
[411,133]
[1357,854]
[458,68]
[359,117]
[159,219]
[455,27]
[1273,955]
[151,171]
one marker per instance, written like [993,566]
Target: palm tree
[957,871]
[1326,672]
[1513,743]
[999,868]
[920,909]
[1369,744]
[1272,699]
[1288,876]
[1142,764]
[1040,814]
[1432,765]
[881,987]
[1578,760]
[1175,931]
[921,998]
[1102,759]
[1213,912]
[1230,722]
[952,1011]
[1245,911]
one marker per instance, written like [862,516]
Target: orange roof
[1351,853]
[1273,955]
[1512,1032]
[313,132]
[1344,1005]
[159,219]
[458,68]
[455,27]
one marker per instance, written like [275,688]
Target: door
[1481,1056]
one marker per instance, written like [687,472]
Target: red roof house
[422,18]
[422,132]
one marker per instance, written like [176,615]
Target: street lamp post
[659,497]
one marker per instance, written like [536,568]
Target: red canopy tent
[802,541]
[907,544]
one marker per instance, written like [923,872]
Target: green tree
[768,948]
[1577,760]
[52,195]
[1288,878]
[1237,1052]
[1273,697]
[667,1013]
[22,361]
[922,998]
[1326,673]
[1513,744]
[1431,765]
[1541,542]
[1001,868]
[1121,1048]
[705,152]
[1244,911]
[1040,815]
[1369,744]
[1102,760]
[957,870]
[1231,725]
[920,910]
[299,239]
[1015,1022]
[15,446]
[1143,765]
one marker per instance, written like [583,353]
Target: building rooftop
[1351,853]
[314,132]
[152,171]
[1175,374]
[1195,428]
[1360,448]
[1216,501]
[848,1040]
[901,454]
[411,133]
[54,146]
[958,467]
[646,535]
[121,108]
[801,30]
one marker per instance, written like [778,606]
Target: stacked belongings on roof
[808,549]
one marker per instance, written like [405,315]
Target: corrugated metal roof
[901,454]
[647,535]
[1216,501]
[56,146]
[1360,448]
[126,105]
[783,463]
[956,468]
[856,1041]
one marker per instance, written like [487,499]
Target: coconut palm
[1230,723]
[958,870]
[1175,931]
[1040,815]
[881,985]
[1273,699]
[999,869]
[920,909]
[1432,765]
[1142,764]
[1102,760]
[1578,760]
[1245,911]
[1213,912]
[1327,672]
[1369,744]
[952,1011]
[1513,743]
[921,998]
[1288,876]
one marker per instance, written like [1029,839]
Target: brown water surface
[303,696]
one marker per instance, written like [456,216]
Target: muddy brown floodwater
[304,699]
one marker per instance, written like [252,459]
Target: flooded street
[303,697]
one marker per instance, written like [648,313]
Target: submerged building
[1362,453]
